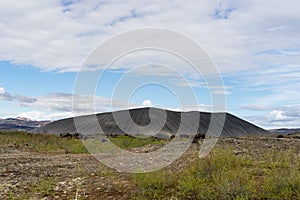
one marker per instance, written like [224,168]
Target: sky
[254,44]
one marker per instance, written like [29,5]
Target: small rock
[56,188]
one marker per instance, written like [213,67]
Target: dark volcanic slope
[233,125]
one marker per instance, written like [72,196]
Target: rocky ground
[73,175]
[26,174]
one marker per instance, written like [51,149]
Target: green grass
[126,142]
[53,143]
[43,188]
[224,175]
[42,142]
[154,185]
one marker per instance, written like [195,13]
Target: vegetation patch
[230,171]
[42,142]
[54,143]
[129,142]
[225,175]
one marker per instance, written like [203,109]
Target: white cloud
[276,116]
[147,103]
[53,36]
[260,38]
[2,90]
[62,103]
[254,107]
[5,96]
[44,115]
[55,106]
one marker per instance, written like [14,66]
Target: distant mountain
[233,125]
[21,123]
[285,131]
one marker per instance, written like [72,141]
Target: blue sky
[255,46]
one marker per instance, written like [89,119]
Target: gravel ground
[81,176]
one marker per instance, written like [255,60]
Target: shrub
[154,185]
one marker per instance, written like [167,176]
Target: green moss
[127,142]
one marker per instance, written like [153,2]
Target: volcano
[157,122]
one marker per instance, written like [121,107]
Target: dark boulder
[68,135]
[197,137]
